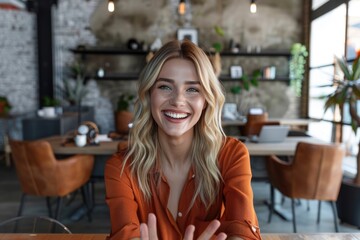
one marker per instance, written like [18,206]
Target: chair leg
[319,210]
[85,192]
[308,205]
[48,204]
[271,207]
[22,201]
[293,214]
[333,206]
[59,202]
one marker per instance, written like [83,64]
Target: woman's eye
[193,90]
[164,87]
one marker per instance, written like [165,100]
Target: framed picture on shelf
[236,72]
[188,33]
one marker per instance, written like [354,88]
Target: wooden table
[265,236]
[286,148]
[104,148]
[282,121]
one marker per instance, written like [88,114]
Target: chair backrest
[33,224]
[251,119]
[35,165]
[317,171]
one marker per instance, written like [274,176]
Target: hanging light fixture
[253,6]
[182,7]
[111,6]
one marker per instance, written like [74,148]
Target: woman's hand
[148,231]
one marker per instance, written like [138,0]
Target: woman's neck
[175,152]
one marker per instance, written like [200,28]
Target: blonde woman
[180,177]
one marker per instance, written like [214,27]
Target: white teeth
[176,115]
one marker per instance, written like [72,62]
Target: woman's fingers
[210,231]
[148,231]
[144,231]
[221,236]
[152,226]
[189,232]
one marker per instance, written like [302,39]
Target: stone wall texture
[276,25]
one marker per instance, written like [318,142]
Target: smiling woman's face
[177,98]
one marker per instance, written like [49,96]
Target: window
[334,32]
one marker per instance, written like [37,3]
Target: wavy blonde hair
[208,132]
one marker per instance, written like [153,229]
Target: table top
[282,121]
[286,148]
[265,236]
[103,148]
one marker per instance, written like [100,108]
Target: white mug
[80,140]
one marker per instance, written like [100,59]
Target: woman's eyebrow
[172,81]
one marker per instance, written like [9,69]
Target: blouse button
[193,176]
[179,214]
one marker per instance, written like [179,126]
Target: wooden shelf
[120,51]
[83,50]
[263,53]
[278,79]
[106,50]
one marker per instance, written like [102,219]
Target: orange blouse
[233,206]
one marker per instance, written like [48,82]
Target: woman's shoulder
[231,143]
[232,150]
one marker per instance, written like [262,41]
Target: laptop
[271,134]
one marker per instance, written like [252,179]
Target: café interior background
[276,25]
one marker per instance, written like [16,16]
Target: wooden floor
[10,196]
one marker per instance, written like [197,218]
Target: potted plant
[123,115]
[49,106]
[74,85]
[348,92]
[4,105]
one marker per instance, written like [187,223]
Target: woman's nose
[177,98]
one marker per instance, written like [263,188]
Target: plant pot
[348,203]
[122,121]
[2,108]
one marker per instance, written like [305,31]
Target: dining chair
[252,119]
[41,174]
[33,224]
[315,173]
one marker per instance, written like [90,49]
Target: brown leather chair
[314,174]
[41,174]
[252,119]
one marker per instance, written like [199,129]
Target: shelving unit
[83,51]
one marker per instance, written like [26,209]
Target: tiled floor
[306,220]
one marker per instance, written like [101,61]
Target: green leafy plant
[347,91]
[246,82]
[5,106]
[297,66]
[50,102]
[74,85]
[124,102]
